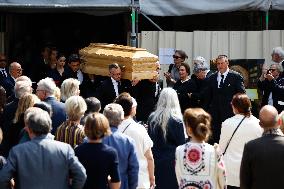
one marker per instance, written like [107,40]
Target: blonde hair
[97,126]
[26,101]
[69,87]
[75,108]
[57,93]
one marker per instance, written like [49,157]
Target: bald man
[15,71]
[262,163]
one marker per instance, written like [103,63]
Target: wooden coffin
[135,62]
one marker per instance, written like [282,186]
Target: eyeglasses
[272,70]
[176,57]
[3,60]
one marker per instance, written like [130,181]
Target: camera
[268,71]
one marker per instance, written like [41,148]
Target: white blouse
[248,130]
[199,165]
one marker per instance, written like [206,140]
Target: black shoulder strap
[170,68]
[126,128]
[233,135]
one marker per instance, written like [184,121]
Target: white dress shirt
[247,131]
[142,143]
[115,86]
[219,78]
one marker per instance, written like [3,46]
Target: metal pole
[151,21]
[133,36]
[267,19]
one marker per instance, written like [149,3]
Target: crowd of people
[62,128]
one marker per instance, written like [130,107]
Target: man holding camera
[271,85]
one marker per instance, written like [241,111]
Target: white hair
[114,113]
[21,88]
[279,51]
[69,87]
[48,85]
[75,107]
[167,107]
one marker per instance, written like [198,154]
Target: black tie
[119,87]
[222,81]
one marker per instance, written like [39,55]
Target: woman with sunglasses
[173,73]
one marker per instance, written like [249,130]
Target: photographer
[271,85]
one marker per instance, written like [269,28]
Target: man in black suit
[3,63]
[271,85]
[72,70]
[113,86]
[262,162]
[15,71]
[222,86]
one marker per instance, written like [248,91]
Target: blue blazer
[58,112]
[43,163]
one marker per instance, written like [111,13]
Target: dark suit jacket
[277,89]
[262,163]
[58,113]
[8,84]
[219,99]
[106,93]
[8,116]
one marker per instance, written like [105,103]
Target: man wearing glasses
[15,71]
[277,57]
[222,86]
[271,85]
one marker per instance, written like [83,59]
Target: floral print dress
[199,166]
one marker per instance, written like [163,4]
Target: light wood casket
[135,62]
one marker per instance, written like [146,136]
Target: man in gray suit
[262,164]
[42,162]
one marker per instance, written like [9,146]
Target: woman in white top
[198,164]
[249,129]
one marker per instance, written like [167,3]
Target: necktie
[119,87]
[222,81]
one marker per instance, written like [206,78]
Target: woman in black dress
[99,160]
[166,129]
[184,87]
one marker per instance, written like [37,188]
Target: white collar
[225,73]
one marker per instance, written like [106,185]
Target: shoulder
[235,74]
[175,119]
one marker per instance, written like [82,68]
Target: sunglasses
[176,57]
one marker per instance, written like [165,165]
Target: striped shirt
[70,133]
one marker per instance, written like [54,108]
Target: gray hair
[114,113]
[167,107]
[75,107]
[69,87]
[21,88]
[277,67]
[48,85]
[24,78]
[279,51]
[38,121]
